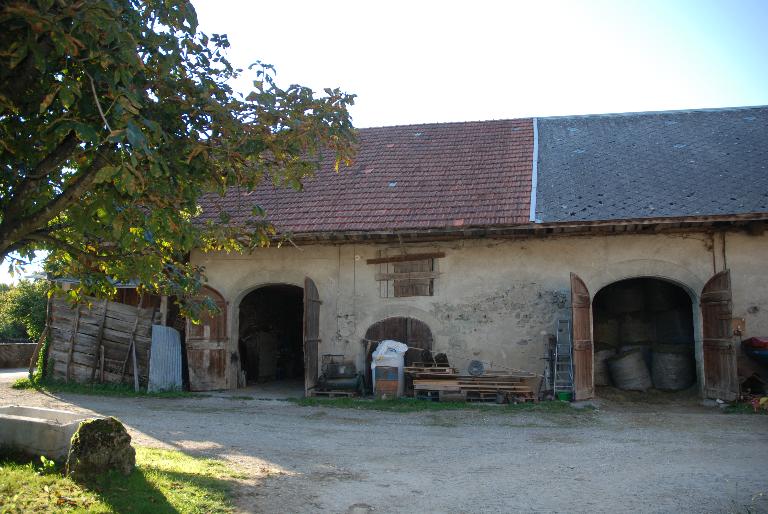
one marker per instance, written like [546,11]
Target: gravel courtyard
[622,457]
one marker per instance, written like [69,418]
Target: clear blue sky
[426,61]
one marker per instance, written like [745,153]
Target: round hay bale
[673,367]
[645,348]
[602,375]
[629,371]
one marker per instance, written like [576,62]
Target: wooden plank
[406,258]
[91,319]
[72,337]
[719,346]
[582,352]
[410,275]
[311,336]
[99,341]
[86,339]
[116,310]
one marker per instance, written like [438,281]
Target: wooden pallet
[333,394]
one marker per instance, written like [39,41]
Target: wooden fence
[100,341]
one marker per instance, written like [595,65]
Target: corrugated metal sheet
[165,360]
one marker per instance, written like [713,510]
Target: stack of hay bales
[652,346]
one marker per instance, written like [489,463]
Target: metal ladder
[562,377]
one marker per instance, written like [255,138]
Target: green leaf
[67,97]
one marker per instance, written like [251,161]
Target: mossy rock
[100,445]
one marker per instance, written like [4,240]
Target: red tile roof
[405,177]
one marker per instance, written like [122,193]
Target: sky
[442,61]
[429,61]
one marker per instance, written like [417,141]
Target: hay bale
[673,327]
[636,328]
[673,367]
[602,375]
[607,331]
[629,371]
[100,445]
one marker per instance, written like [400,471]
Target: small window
[413,286]
[403,274]
[409,278]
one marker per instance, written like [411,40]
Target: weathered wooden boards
[92,341]
[447,384]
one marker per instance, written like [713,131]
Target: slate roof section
[653,165]
[418,177]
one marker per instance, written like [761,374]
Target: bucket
[564,396]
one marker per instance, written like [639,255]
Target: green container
[564,396]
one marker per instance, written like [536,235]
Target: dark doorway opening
[271,334]
[649,316]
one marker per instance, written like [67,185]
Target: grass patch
[413,405]
[743,408]
[54,386]
[163,482]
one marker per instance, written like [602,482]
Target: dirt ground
[658,455]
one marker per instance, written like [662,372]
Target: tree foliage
[116,116]
[23,310]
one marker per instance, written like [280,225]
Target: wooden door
[720,377]
[581,323]
[206,344]
[311,333]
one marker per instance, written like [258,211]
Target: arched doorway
[271,335]
[649,315]
[410,331]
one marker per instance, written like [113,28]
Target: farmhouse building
[476,239]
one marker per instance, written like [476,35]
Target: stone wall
[16,355]
[494,300]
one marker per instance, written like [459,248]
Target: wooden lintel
[413,275]
[406,258]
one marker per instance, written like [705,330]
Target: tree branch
[12,230]
[51,162]
[98,104]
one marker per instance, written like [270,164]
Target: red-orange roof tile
[405,177]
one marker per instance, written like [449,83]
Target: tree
[23,310]
[116,115]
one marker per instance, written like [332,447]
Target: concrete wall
[495,300]
[16,355]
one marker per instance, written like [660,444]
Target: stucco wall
[495,300]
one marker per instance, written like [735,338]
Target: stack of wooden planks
[445,384]
[100,341]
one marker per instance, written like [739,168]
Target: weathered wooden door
[311,333]
[720,377]
[206,344]
[581,322]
